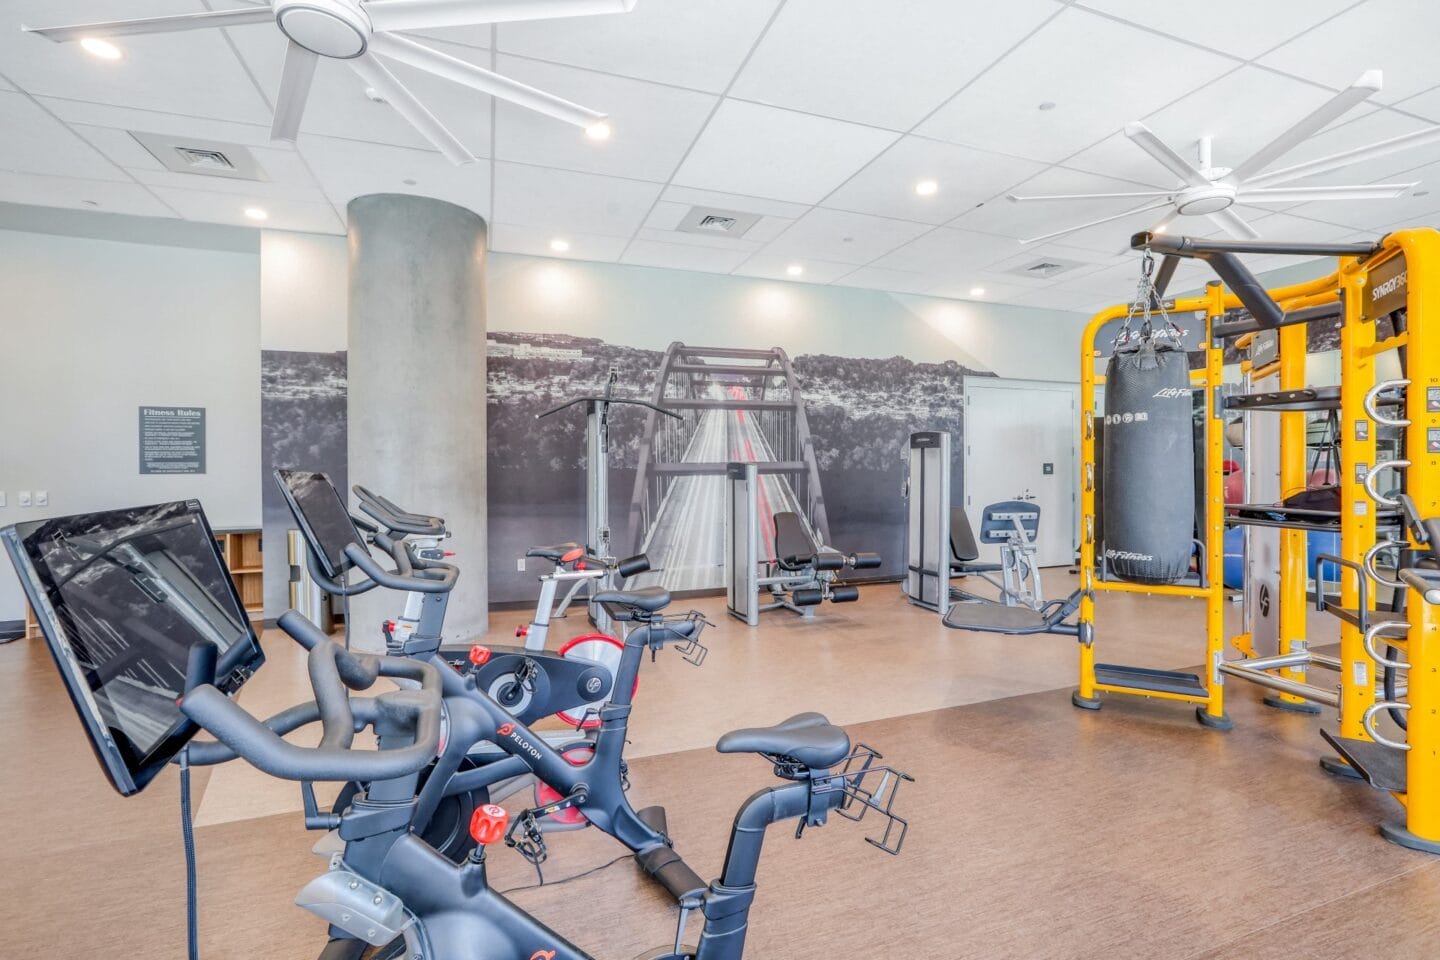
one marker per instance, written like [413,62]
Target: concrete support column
[417,385]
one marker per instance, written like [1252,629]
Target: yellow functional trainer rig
[1385,298]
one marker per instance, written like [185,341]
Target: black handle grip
[631,566]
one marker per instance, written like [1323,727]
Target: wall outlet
[42,498]
[23,498]
[2,498]
[520,565]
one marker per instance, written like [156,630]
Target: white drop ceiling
[819,116]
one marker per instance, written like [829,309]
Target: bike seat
[807,738]
[554,553]
[642,600]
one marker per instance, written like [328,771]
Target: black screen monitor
[322,515]
[121,597]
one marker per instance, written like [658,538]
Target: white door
[1021,441]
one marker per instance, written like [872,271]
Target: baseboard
[11,630]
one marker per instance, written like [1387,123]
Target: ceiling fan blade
[1234,225]
[393,92]
[1337,161]
[423,14]
[478,78]
[295,80]
[174,24]
[1095,223]
[1319,118]
[1146,140]
[1018,198]
[1372,191]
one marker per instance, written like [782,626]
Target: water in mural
[832,430]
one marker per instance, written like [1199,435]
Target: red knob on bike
[479,655]
[523,630]
[488,824]
[447,553]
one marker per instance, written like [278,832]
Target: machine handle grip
[405,579]
[633,566]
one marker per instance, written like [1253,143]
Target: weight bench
[1016,621]
[805,572]
[1012,525]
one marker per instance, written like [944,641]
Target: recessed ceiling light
[559,245]
[598,131]
[103,49]
[977,291]
[91,203]
[1048,105]
[926,188]
[409,182]
[256,213]
[1161,229]
[794,269]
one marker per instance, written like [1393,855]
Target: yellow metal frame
[1358,349]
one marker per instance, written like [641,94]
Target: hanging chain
[1146,306]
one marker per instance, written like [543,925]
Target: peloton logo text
[508,730]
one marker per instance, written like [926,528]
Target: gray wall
[94,328]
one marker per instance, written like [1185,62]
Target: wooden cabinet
[241,550]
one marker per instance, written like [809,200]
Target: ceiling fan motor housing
[339,29]
[1196,201]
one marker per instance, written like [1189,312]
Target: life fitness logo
[508,730]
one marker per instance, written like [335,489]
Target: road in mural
[832,430]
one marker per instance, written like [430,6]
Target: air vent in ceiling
[1045,268]
[204,158]
[725,223]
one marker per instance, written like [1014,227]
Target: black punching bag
[1148,487]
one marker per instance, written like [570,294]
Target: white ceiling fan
[1207,190]
[365,33]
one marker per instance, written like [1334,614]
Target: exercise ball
[1322,542]
[1234,572]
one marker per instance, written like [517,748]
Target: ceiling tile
[842,237]
[286,178]
[944,250]
[763,151]
[1373,127]
[193,73]
[565,200]
[731,201]
[1398,35]
[661,223]
[1242,112]
[338,106]
[1265,24]
[46,145]
[881,278]
[1035,218]
[1081,62]
[1425,104]
[118,147]
[105,196]
[871,63]
[230,208]
[653,125]
[679,256]
[347,169]
[964,286]
[1077,261]
[965,177]
[536,242]
[1360,214]
[1054,298]
[773,266]
[696,45]
[149,121]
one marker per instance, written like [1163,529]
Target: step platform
[1378,765]
[1152,681]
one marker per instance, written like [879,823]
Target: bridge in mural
[734,405]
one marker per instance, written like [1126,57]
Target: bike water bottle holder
[867,786]
[666,629]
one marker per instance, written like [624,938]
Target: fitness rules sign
[172,440]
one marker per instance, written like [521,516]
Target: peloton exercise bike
[588,778]
[150,637]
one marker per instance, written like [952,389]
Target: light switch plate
[23,498]
[2,498]
[520,565]
[42,498]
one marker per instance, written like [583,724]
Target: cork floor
[1037,831]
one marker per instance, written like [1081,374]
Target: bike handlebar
[333,671]
[404,577]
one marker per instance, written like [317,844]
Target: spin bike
[590,780]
